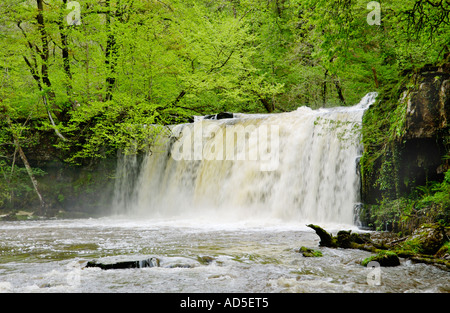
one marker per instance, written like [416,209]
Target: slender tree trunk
[27,166]
[339,91]
[180,96]
[111,53]
[267,104]
[65,52]
[41,77]
[13,165]
[375,77]
[279,4]
[324,92]
[44,52]
[31,175]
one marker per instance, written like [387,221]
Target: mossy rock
[9,217]
[427,239]
[310,253]
[344,239]
[384,258]
[205,259]
[444,250]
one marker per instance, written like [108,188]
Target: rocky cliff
[407,138]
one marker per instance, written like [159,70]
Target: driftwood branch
[386,252]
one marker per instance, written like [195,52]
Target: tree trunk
[339,90]
[65,52]
[27,166]
[375,77]
[44,52]
[30,173]
[110,53]
[324,92]
[41,76]
[267,104]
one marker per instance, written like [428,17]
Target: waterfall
[297,166]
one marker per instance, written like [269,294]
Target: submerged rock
[205,259]
[165,262]
[384,258]
[219,116]
[152,262]
[310,253]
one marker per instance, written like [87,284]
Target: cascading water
[297,167]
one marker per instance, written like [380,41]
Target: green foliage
[99,130]
[383,127]
[134,66]
[383,254]
[15,183]
[425,204]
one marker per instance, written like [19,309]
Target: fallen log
[344,239]
[326,240]
[386,252]
[152,262]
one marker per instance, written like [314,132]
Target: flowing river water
[220,206]
[50,256]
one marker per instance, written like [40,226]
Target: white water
[301,167]
[49,256]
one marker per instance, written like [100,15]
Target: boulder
[344,239]
[427,239]
[219,116]
[224,115]
[152,262]
[384,258]
[310,253]
[426,245]
[427,106]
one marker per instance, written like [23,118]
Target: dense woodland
[85,75]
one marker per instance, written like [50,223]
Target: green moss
[384,258]
[413,246]
[308,252]
[445,249]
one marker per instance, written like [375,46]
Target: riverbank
[428,244]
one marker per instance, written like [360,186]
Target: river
[194,257]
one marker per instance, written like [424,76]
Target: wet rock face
[416,156]
[427,121]
[428,105]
